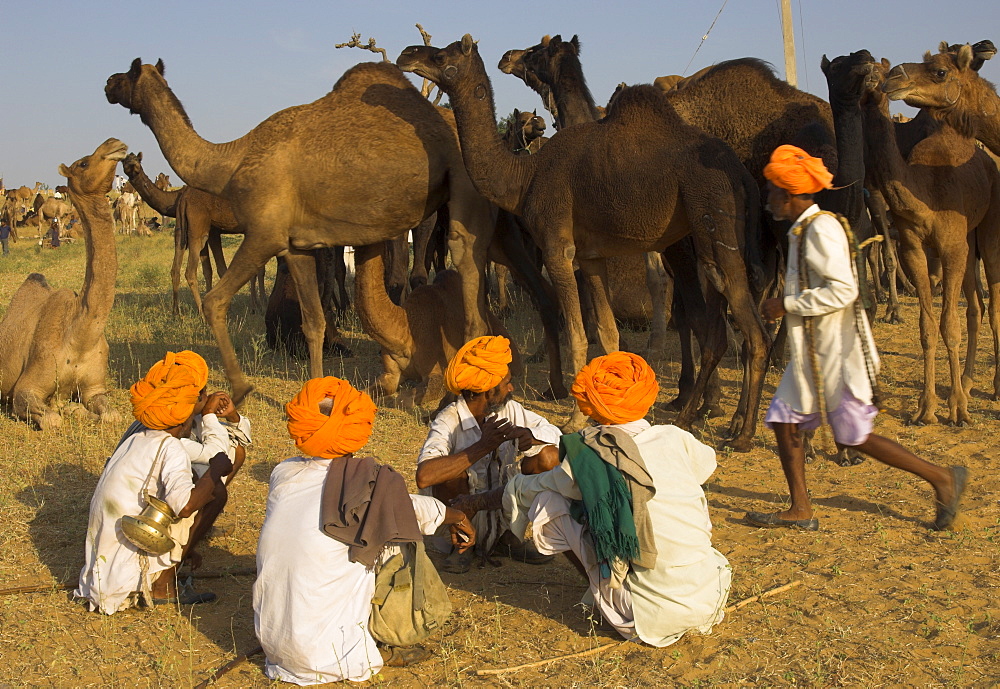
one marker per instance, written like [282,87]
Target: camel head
[981,52]
[132,165]
[130,89]
[162,181]
[513,62]
[530,125]
[447,67]
[937,82]
[94,174]
[849,76]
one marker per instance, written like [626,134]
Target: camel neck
[381,318]
[574,103]
[885,165]
[498,174]
[98,293]
[199,163]
[986,117]
[162,201]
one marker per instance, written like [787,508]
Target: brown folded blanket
[366,505]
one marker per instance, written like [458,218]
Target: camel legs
[302,268]
[175,267]
[595,273]
[988,243]
[973,316]
[660,293]
[559,263]
[914,261]
[197,236]
[471,227]
[421,239]
[29,405]
[251,255]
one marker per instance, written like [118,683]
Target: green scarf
[607,503]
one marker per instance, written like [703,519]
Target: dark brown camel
[578,205]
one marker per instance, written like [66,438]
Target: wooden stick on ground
[600,649]
[56,586]
[231,665]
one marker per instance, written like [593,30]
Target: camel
[525,132]
[126,212]
[944,190]
[948,86]
[583,197]
[201,220]
[418,338]
[52,343]
[52,209]
[283,314]
[298,181]
[162,181]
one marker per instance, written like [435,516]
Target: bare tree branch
[427,86]
[355,42]
[426,36]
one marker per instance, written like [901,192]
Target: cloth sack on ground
[410,602]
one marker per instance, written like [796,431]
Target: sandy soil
[884,600]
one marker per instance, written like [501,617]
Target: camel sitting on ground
[636,182]
[945,196]
[298,182]
[201,220]
[52,343]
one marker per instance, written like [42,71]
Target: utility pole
[791,75]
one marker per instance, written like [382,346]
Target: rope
[705,37]
[810,326]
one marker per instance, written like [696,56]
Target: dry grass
[884,601]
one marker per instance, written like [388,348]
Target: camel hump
[643,98]
[366,73]
[37,278]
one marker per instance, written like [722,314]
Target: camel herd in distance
[661,188]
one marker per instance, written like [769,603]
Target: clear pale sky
[234,64]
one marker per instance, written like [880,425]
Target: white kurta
[211,435]
[830,301]
[311,603]
[688,587]
[111,570]
[455,428]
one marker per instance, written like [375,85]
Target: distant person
[473,445]
[118,184]
[54,234]
[5,237]
[833,360]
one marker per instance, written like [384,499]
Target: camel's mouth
[117,153]
[896,91]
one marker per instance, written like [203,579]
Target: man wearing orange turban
[152,459]
[473,444]
[626,505]
[313,595]
[833,363]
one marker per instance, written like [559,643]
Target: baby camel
[52,344]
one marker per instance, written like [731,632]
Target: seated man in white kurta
[473,445]
[670,580]
[311,600]
[116,573]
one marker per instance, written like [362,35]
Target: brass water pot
[150,530]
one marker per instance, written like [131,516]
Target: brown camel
[298,181]
[52,344]
[525,132]
[418,338]
[636,182]
[944,190]
[162,181]
[51,209]
[949,88]
[202,219]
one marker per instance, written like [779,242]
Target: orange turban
[480,365]
[167,395]
[796,171]
[344,431]
[616,388]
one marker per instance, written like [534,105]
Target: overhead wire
[705,37]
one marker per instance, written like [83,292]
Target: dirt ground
[883,599]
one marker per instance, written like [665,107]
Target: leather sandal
[457,563]
[191,598]
[946,513]
[770,520]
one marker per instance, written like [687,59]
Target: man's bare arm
[435,471]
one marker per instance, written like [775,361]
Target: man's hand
[216,401]
[495,432]
[468,503]
[220,465]
[227,409]
[463,533]
[523,436]
[772,309]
